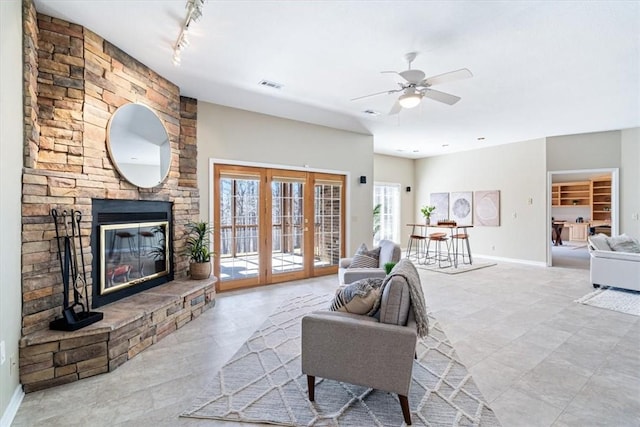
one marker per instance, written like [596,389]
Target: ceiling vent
[272,85]
[371,112]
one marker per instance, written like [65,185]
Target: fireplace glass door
[132,253]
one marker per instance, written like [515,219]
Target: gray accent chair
[363,350]
[389,252]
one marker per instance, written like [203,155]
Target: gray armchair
[363,350]
[389,252]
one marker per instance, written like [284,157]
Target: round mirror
[138,145]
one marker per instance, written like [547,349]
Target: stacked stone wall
[74,80]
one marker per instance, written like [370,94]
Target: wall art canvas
[441,202]
[486,209]
[460,208]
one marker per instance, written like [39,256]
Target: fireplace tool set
[72,266]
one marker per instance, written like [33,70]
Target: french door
[275,225]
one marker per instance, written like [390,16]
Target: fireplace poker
[84,271]
[63,264]
[77,294]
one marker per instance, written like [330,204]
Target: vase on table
[427,221]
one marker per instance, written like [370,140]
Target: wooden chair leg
[404,403]
[311,386]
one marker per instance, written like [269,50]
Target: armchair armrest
[354,274]
[345,262]
[362,351]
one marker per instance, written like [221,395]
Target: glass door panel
[238,252]
[328,224]
[287,225]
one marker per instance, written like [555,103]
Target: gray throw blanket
[407,270]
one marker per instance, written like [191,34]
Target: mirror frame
[158,126]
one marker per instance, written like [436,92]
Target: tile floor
[539,358]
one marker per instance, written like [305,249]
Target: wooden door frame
[310,271]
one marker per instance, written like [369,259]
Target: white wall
[11,138]
[518,170]
[232,134]
[630,182]
[398,170]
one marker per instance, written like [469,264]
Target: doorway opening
[580,203]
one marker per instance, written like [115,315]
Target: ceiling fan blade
[451,76]
[441,96]
[377,93]
[395,109]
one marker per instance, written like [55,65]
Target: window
[386,224]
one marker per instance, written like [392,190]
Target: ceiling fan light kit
[416,86]
[410,100]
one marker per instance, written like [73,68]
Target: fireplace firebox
[132,247]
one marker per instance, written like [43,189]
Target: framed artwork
[486,208]
[441,202]
[460,209]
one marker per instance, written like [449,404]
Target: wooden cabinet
[578,232]
[601,199]
[571,194]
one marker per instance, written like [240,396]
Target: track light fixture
[194,13]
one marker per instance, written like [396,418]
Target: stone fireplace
[74,80]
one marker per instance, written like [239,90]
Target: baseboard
[512,260]
[12,409]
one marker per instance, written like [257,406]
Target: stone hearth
[130,325]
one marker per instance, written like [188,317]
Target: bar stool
[461,252]
[416,241]
[438,254]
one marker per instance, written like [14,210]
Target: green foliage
[376,218]
[388,266]
[198,241]
[427,210]
[159,252]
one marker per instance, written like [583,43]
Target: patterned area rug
[462,268]
[262,383]
[614,299]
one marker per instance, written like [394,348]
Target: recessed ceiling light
[371,112]
[416,151]
[445,145]
[272,85]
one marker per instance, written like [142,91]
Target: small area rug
[614,299]
[262,383]
[462,268]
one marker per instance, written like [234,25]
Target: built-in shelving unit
[601,199]
[571,194]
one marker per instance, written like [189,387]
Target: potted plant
[197,249]
[427,210]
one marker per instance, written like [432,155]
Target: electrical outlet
[12,365]
[493,248]
[3,356]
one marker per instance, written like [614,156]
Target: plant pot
[200,270]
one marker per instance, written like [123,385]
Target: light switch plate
[3,356]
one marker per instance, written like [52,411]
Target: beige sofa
[612,267]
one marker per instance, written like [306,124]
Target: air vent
[371,112]
[272,85]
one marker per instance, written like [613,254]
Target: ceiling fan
[416,86]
